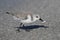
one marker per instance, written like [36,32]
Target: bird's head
[37,17]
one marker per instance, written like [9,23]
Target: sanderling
[26,17]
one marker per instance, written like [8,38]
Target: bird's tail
[10,13]
[13,15]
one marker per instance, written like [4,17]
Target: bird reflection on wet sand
[31,27]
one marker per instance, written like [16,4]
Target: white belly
[26,21]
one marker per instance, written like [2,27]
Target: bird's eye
[36,16]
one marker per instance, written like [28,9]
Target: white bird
[26,18]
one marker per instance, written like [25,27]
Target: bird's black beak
[42,20]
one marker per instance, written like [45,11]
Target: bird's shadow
[28,28]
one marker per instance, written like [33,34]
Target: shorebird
[26,17]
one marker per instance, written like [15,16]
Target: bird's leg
[18,30]
[21,24]
[19,27]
